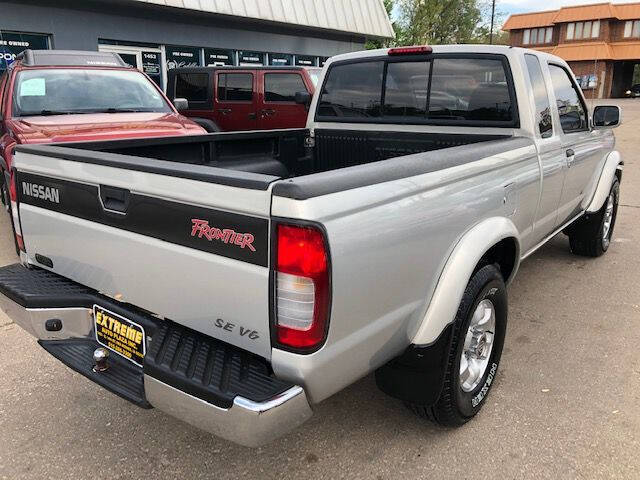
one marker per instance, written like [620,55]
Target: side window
[235,87]
[540,95]
[282,87]
[352,91]
[573,116]
[192,86]
[406,89]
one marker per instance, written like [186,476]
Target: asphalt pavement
[564,404]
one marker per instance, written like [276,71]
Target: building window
[632,28]
[535,36]
[12,43]
[580,30]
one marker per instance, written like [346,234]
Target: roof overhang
[360,17]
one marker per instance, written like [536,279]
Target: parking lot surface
[565,404]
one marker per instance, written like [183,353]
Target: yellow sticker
[119,334]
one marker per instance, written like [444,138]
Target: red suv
[243,98]
[50,96]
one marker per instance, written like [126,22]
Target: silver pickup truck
[234,280]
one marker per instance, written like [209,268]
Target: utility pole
[493,14]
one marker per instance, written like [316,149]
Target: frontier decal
[202,229]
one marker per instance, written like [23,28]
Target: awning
[626,50]
[530,20]
[576,52]
[364,17]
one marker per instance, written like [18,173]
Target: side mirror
[303,98]
[181,104]
[607,116]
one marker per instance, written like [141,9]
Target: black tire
[207,124]
[4,191]
[456,406]
[587,236]
[6,205]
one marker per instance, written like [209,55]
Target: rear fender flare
[457,272]
[612,164]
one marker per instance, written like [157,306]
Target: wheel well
[619,174]
[504,255]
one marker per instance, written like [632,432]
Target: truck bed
[274,154]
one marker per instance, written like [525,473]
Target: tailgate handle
[114,199]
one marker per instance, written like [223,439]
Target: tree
[438,21]
[483,30]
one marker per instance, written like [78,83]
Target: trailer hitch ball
[100,358]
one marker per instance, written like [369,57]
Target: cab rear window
[464,90]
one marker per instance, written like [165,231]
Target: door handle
[114,199]
[224,111]
[571,157]
[268,112]
[252,116]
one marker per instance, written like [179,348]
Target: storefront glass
[12,43]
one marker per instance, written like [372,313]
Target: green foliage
[420,22]
[438,21]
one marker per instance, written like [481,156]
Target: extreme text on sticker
[119,334]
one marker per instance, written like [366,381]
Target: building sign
[152,66]
[12,43]
[178,57]
[305,61]
[280,59]
[250,58]
[218,58]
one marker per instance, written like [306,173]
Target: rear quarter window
[282,87]
[436,90]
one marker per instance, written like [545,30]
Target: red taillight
[413,50]
[13,194]
[302,287]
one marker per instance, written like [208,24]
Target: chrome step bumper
[235,418]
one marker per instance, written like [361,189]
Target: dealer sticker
[120,335]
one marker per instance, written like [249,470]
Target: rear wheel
[591,235]
[479,332]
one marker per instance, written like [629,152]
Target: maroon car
[243,98]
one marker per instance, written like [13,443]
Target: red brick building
[601,42]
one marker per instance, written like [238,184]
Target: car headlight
[628,92]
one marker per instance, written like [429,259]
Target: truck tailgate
[184,249]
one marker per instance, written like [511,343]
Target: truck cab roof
[69,58]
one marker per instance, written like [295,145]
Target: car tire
[462,396]
[4,191]
[6,205]
[591,235]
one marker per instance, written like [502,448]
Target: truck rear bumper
[247,422]
[267,408]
